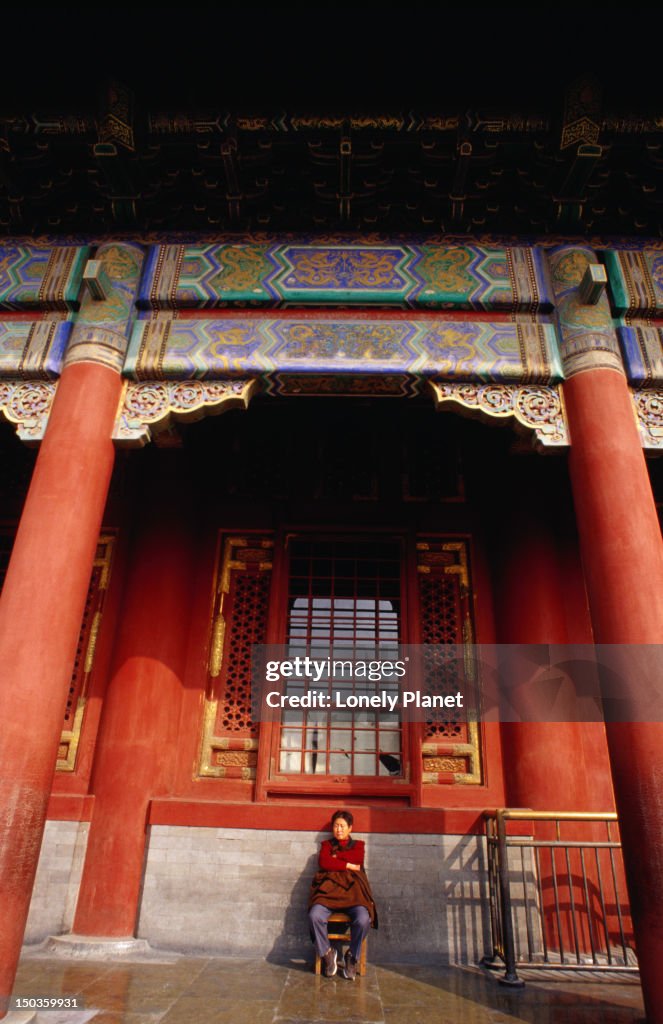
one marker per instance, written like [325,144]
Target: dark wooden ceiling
[267,123]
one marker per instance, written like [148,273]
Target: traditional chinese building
[301,379]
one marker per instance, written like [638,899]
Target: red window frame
[271,782]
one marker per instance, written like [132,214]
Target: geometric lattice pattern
[344,599]
[440,614]
[450,749]
[239,622]
[435,276]
[248,599]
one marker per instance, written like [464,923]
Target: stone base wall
[58,877]
[244,892]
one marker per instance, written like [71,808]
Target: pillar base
[98,947]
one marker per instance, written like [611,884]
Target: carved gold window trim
[471,751]
[450,750]
[70,738]
[234,756]
[214,750]
[214,747]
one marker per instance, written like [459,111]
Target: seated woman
[341,884]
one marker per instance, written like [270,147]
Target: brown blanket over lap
[341,889]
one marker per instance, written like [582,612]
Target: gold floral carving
[538,408]
[236,758]
[648,405]
[467,755]
[27,405]
[148,407]
[445,764]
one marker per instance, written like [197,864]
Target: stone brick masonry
[244,892]
[58,877]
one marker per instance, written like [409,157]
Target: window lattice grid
[248,599]
[344,602]
[441,625]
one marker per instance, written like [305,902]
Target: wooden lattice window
[229,741]
[344,602]
[451,745]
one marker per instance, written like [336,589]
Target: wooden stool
[337,918]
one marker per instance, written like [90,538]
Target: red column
[40,616]
[544,762]
[549,766]
[137,743]
[622,554]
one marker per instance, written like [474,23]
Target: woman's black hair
[346,815]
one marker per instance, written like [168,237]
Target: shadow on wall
[465,897]
[432,898]
[294,940]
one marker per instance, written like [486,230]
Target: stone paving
[164,989]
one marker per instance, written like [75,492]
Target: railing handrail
[592,926]
[522,814]
[567,844]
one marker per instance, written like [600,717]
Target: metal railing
[557,893]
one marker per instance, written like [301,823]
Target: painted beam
[642,348]
[32,349]
[468,276]
[39,277]
[252,345]
[636,281]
